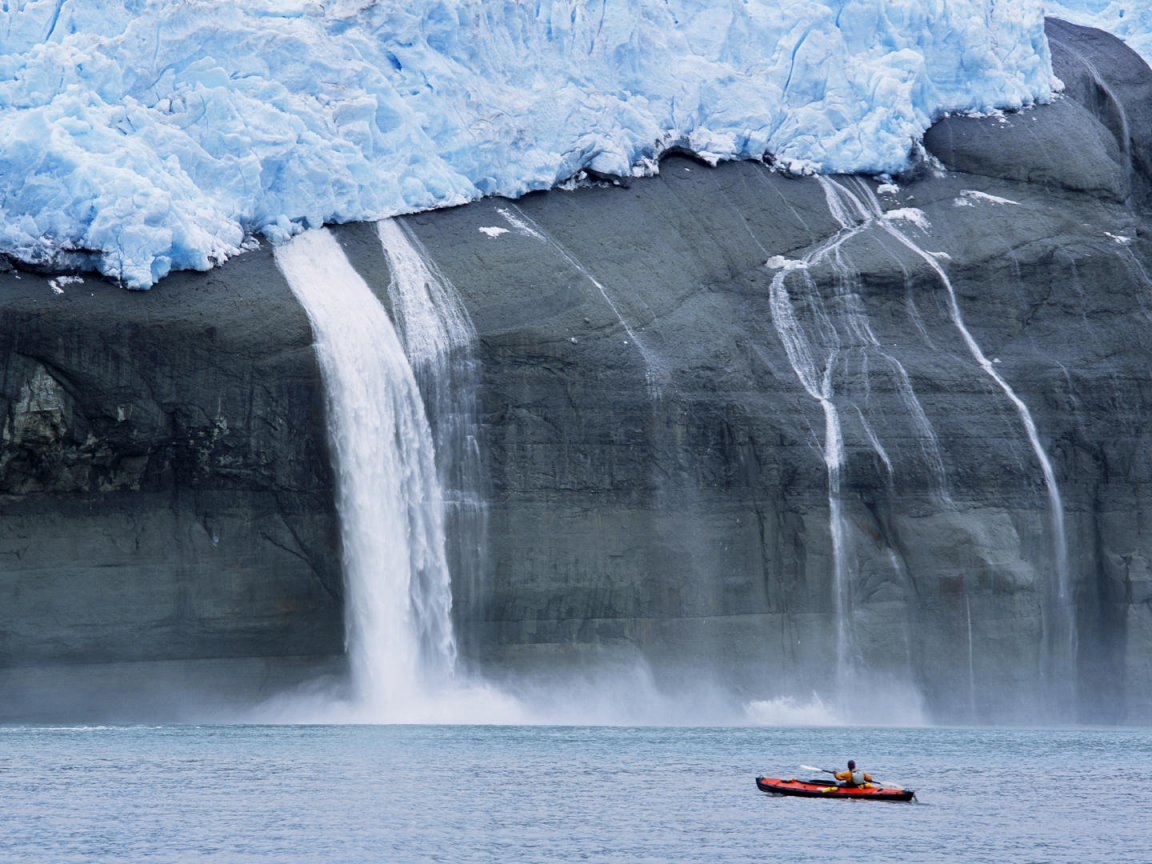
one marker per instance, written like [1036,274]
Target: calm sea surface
[554,794]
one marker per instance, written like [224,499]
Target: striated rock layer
[658,469]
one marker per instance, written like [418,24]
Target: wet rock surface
[165,489]
[658,478]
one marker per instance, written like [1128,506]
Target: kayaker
[852,777]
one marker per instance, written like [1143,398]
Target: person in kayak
[852,777]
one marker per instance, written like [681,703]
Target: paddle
[814,768]
[833,773]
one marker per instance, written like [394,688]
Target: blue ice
[142,136]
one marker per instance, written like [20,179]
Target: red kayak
[821,789]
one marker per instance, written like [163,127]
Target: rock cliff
[664,366]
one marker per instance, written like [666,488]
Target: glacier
[142,136]
[1130,20]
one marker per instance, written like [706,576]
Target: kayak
[821,789]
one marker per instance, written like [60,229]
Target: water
[815,353]
[816,379]
[1062,637]
[816,350]
[524,224]
[408,794]
[439,341]
[399,603]
[403,426]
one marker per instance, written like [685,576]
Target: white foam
[788,711]
[779,262]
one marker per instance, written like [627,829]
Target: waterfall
[431,321]
[817,382]
[526,225]
[834,195]
[398,605]
[438,338]
[814,369]
[815,374]
[816,379]
[1060,616]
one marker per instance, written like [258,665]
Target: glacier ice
[142,136]
[1130,20]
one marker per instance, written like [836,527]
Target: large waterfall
[389,496]
[402,425]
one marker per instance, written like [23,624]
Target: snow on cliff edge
[142,136]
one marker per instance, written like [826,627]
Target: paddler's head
[851,764]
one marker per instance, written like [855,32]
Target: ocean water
[557,794]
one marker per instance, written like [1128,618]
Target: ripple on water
[557,794]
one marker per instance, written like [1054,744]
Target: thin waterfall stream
[438,339]
[524,224]
[816,379]
[1059,615]
[817,382]
[971,659]
[814,351]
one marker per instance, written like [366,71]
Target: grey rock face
[1084,157]
[1093,138]
[1110,80]
[658,479]
[165,490]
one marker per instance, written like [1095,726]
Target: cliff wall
[658,466]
